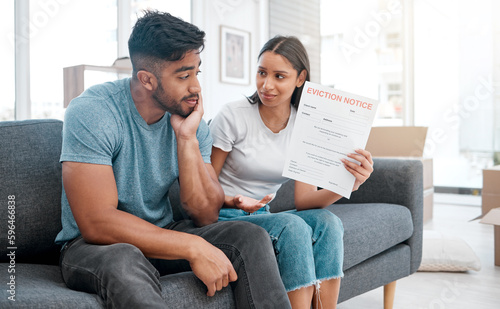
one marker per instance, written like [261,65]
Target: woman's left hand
[362,171]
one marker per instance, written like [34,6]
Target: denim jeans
[124,278]
[308,244]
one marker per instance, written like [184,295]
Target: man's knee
[245,238]
[118,262]
[248,232]
[129,269]
[124,257]
[106,266]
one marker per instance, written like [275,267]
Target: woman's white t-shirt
[256,156]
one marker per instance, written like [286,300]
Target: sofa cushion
[42,286]
[31,173]
[185,290]
[370,229]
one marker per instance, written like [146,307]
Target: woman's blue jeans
[308,244]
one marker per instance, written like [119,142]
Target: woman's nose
[268,84]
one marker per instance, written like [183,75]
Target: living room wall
[237,14]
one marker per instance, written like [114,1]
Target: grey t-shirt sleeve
[205,139]
[90,132]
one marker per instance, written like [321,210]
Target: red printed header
[339,98]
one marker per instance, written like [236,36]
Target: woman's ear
[147,80]
[301,79]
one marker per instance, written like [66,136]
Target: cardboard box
[405,143]
[491,180]
[490,205]
[489,202]
[491,189]
[397,141]
[493,217]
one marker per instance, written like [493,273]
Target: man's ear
[147,80]
[301,79]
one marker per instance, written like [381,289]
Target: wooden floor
[426,290]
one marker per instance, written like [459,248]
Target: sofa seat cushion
[42,286]
[370,229]
[185,290]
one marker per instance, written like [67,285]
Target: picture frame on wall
[235,56]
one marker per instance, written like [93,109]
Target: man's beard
[170,105]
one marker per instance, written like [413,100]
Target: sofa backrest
[30,190]
[284,199]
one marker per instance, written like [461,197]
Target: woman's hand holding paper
[361,171]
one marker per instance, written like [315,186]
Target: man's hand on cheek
[186,127]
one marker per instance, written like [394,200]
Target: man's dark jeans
[124,278]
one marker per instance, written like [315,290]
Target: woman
[251,139]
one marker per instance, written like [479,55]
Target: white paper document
[330,124]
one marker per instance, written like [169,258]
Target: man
[124,144]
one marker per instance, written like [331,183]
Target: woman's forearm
[309,197]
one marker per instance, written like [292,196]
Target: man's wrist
[186,138]
[193,248]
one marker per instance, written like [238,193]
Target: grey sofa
[382,222]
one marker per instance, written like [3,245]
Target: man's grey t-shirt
[103,126]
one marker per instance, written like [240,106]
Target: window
[65,34]
[362,52]
[177,8]
[393,40]
[7,54]
[286,19]
[457,61]
[454,76]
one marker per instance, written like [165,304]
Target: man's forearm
[201,194]
[116,226]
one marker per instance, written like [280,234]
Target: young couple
[126,142]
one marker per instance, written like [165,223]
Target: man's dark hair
[158,37]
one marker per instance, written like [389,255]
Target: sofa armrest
[397,181]
[393,181]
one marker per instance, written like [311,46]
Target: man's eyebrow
[185,68]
